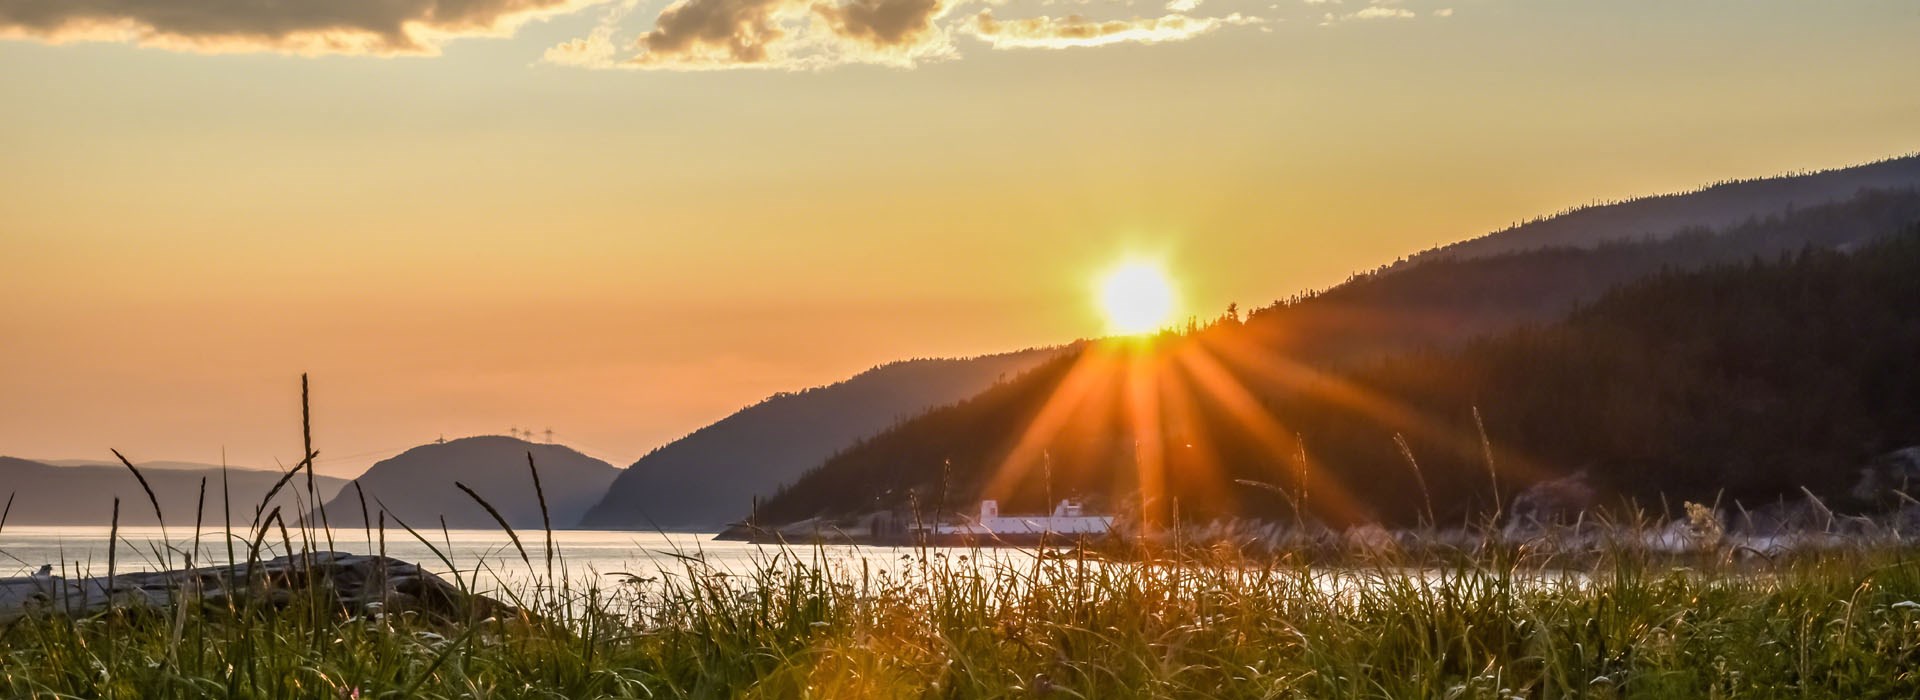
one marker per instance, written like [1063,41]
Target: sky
[624,220]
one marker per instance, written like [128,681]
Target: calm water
[591,558]
[600,557]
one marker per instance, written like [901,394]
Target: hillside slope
[418,485]
[1745,380]
[1443,302]
[1712,207]
[708,478]
[46,494]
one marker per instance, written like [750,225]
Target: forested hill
[708,478]
[1446,301]
[1746,381]
[1714,206]
[419,485]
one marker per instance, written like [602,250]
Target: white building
[1068,518]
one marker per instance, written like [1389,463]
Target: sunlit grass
[1466,614]
[1840,623]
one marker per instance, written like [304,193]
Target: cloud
[597,49]
[1074,31]
[384,27]
[771,34]
[1378,12]
[818,34]
[714,32]
[882,23]
[686,35]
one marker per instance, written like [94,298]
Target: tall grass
[1200,624]
[1196,621]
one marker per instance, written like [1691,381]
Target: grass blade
[498,519]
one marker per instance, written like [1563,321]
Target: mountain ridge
[1714,205]
[709,477]
[48,494]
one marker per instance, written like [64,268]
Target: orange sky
[483,236]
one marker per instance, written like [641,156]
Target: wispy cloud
[1375,10]
[1074,31]
[597,49]
[1378,12]
[383,27]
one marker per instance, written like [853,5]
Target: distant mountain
[46,494]
[418,485]
[1714,206]
[709,478]
[145,466]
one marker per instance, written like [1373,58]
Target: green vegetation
[1500,624]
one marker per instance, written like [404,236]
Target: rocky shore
[358,584]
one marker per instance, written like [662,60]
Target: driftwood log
[354,583]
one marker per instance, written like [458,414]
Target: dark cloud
[714,31]
[882,23]
[707,34]
[323,26]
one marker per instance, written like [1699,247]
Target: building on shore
[1069,518]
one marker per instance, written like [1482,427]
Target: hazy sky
[625,220]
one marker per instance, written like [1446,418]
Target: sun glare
[1136,298]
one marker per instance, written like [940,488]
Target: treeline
[1448,301]
[1741,383]
[1716,205]
[1744,381]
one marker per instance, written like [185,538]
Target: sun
[1136,298]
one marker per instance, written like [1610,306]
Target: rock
[1905,522]
[1549,503]
[1896,471]
[1369,539]
[355,583]
[1784,518]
